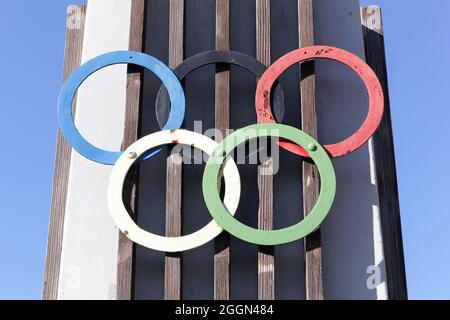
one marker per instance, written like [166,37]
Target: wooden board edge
[383,143]
[311,180]
[222,123]
[133,107]
[174,170]
[76,16]
[266,255]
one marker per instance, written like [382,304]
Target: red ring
[374,89]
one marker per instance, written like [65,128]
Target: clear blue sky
[418,50]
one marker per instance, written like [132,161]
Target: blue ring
[65,117]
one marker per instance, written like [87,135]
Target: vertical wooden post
[172,282]
[72,59]
[126,249]
[266,258]
[383,143]
[311,183]
[222,123]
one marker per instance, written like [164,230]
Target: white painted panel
[89,253]
[352,242]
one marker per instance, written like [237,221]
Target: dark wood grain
[383,143]
[222,123]
[172,279]
[126,249]
[72,60]
[266,257]
[311,182]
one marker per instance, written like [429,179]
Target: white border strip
[89,250]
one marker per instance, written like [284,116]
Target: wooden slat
[266,258]
[126,249]
[172,281]
[222,123]
[385,161]
[266,255]
[311,182]
[263,31]
[72,60]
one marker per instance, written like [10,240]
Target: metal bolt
[312,147]
[132,155]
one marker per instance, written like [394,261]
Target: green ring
[269,237]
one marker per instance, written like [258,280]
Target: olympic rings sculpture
[170,118]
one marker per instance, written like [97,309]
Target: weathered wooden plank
[311,182]
[126,249]
[266,257]
[172,281]
[383,143]
[263,31]
[222,123]
[72,60]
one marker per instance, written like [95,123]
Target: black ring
[162,105]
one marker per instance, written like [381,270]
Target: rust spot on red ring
[266,99]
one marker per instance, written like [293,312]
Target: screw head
[132,155]
[221,153]
[312,147]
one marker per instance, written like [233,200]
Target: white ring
[147,239]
